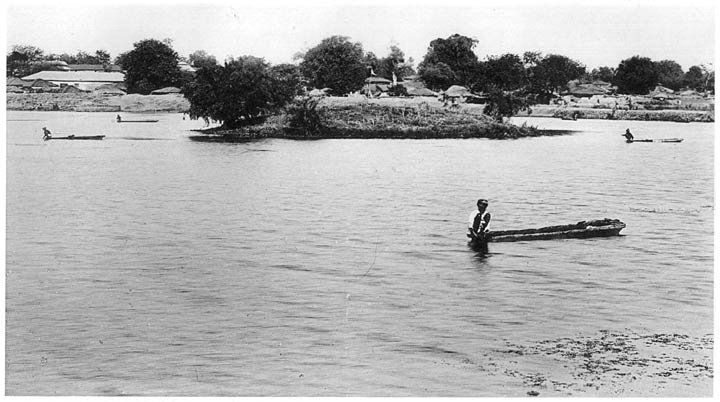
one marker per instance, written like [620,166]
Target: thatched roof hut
[586,90]
[109,89]
[319,92]
[70,89]
[457,91]
[415,91]
[377,80]
[166,91]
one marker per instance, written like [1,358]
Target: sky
[602,34]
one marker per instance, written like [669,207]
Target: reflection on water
[336,267]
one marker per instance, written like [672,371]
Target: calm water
[150,264]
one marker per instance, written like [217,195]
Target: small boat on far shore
[121,120]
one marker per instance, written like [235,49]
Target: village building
[84,80]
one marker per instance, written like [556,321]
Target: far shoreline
[357,117]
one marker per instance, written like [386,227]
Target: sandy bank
[87,102]
[682,116]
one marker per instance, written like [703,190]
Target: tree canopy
[240,92]
[394,63]
[457,54]
[335,63]
[505,72]
[550,74]
[149,66]
[22,60]
[636,75]
[604,73]
[201,58]
[700,78]
[670,74]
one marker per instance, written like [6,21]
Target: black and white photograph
[425,199]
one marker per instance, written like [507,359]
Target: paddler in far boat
[46,134]
[628,135]
[479,221]
[118,118]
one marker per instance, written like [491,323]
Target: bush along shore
[375,121]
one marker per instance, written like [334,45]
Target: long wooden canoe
[581,230]
[76,137]
[138,121]
[656,140]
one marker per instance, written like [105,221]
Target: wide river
[150,264]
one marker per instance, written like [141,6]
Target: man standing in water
[479,221]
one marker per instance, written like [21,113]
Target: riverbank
[572,113]
[88,102]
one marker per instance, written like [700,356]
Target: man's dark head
[482,203]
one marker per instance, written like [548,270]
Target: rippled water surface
[150,264]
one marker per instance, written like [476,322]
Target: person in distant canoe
[118,118]
[628,135]
[479,220]
[46,134]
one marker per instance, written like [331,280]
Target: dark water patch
[228,139]
[291,267]
[608,359]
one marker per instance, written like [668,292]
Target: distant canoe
[77,137]
[656,140]
[138,121]
[580,230]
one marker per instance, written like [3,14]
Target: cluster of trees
[25,60]
[242,89]
[638,75]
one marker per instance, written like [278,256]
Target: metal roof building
[85,80]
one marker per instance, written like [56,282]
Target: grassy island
[359,117]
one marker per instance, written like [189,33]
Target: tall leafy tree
[551,73]
[201,58]
[604,73]
[457,53]
[335,63]
[437,76]
[150,65]
[22,60]
[670,74]
[241,92]
[700,78]
[394,63]
[502,104]
[505,72]
[288,80]
[636,75]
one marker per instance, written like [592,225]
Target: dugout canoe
[581,230]
[655,140]
[138,121]
[76,137]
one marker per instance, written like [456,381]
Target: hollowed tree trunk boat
[581,230]
[76,137]
[655,140]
